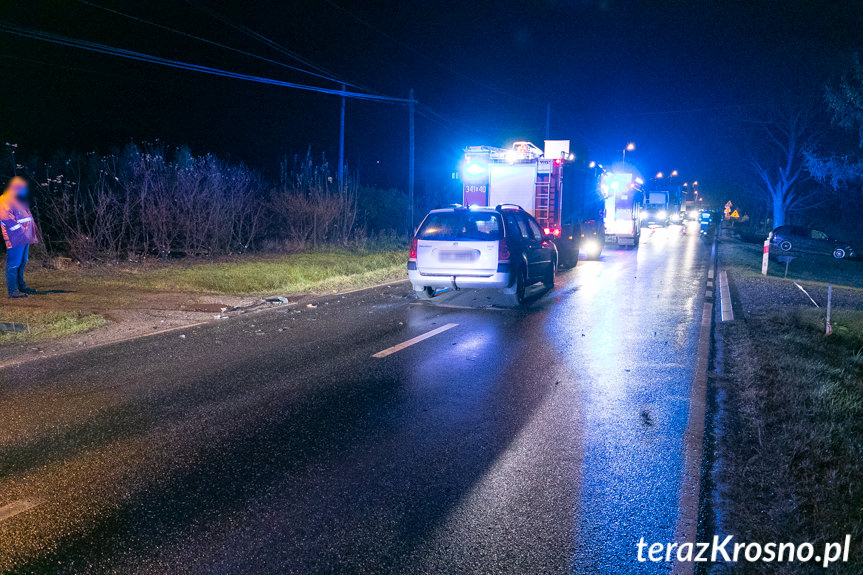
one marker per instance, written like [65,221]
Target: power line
[212,43]
[425,56]
[272,44]
[142,57]
[422,109]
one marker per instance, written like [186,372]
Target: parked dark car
[805,240]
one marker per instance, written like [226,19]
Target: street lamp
[674,173]
[629,148]
[659,175]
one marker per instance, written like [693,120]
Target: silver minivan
[501,247]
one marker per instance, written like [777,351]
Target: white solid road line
[417,339]
[16,507]
[725,298]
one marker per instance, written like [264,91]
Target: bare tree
[775,149]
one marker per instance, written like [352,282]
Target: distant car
[502,247]
[809,241]
[654,216]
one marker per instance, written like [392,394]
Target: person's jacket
[16,221]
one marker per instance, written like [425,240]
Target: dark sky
[665,74]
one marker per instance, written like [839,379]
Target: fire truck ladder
[546,197]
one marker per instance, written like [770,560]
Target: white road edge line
[417,339]
[16,507]
[807,294]
[686,527]
[725,298]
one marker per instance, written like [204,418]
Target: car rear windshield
[461,225]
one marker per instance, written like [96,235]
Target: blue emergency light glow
[475,169]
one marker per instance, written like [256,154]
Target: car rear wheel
[548,280]
[839,253]
[517,298]
[785,245]
[427,292]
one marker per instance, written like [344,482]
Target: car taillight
[502,251]
[551,232]
[413,252]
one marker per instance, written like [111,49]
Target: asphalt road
[543,440]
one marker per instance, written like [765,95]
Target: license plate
[458,256]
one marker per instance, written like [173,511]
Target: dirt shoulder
[790,412]
[78,306]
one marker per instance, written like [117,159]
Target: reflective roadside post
[829,304]
[766,257]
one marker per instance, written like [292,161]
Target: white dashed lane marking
[412,341]
[16,507]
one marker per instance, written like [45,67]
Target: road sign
[734,214]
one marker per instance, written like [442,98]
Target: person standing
[19,231]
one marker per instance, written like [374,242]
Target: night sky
[666,75]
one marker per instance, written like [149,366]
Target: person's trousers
[16,261]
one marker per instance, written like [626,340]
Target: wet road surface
[543,440]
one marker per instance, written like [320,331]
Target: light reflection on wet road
[545,440]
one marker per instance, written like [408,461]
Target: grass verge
[810,268]
[269,274]
[793,440]
[33,325]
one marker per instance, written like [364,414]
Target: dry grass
[793,442]
[268,274]
[37,325]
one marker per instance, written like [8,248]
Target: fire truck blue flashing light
[475,169]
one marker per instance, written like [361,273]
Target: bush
[150,201]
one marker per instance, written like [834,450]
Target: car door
[518,235]
[538,255]
[516,232]
[821,243]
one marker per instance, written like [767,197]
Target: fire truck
[545,183]
[623,196]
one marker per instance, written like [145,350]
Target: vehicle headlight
[591,247]
[662,214]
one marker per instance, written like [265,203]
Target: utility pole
[548,121]
[411,164]
[342,147]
